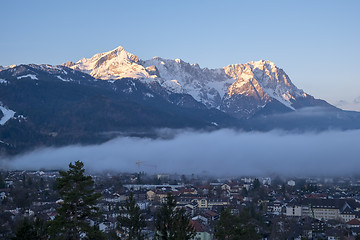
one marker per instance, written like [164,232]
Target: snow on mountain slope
[235,88]
[205,85]
[115,64]
[262,80]
[32,76]
[7,67]
[7,114]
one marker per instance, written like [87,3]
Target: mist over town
[179,120]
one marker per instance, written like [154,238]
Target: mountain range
[116,93]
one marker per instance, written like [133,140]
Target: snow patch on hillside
[3,81]
[285,99]
[8,114]
[32,76]
[173,86]
[64,80]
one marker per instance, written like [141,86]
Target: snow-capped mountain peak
[227,89]
[7,67]
[112,65]
[262,80]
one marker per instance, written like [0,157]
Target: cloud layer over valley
[223,152]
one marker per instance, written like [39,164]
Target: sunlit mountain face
[240,90]
[116,93]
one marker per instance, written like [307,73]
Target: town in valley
[273,207]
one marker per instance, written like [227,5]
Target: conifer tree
[227,225]
[231,227]
[131,220]
[31,229]
[78,206]
[172,223]
[2,182]
[26,231]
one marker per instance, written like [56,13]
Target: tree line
[79,218]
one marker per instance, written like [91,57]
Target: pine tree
[25,231]
[78,207]
[231,227]
[256,184]
[227,225]
[131,220]
[172,223]
[31,229]
[2,182]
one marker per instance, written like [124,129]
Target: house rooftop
[353,222]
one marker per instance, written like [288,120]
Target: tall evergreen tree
[2,182]
[172,223]
[26,231]
[29,229]
[78,207]
[131,221]
[227,225]
[231,227]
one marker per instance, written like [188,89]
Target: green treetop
[131,220]
[78,206]
[173,223]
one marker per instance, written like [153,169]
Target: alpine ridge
[118,94]
[241,90]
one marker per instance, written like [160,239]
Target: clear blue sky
[316,42]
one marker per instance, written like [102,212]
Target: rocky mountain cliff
[241,90]
[116,93]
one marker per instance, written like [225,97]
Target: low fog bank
[223,152]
